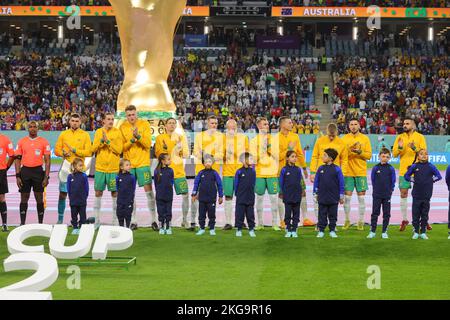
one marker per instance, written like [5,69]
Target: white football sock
[404,208]
[151,206]
[304,208]
[347,200]
[281,211]
[185,206]
[115,221]
[194,209]
[362,207]
[260,209]
[228,211]
[97,208]
[133,215]
[274,208]
[316,207]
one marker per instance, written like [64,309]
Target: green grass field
[185,266]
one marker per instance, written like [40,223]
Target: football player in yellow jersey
[207,142]
[359,152]
[308,128]
[300,128]
[235,144]
[316,128]
[177,147]
[137,141]
[330,140]
[265,152]
[72,143]
[406,146]
[289,141]
[107,147]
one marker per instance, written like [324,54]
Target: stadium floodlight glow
[60,32]
[355,33]
[430,33]
[280,30]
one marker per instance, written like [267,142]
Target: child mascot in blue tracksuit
[291,193]
[423,174]
[244,186]
[78,190]
[447,180]
[329,190]
[164,181]
[206,186]
[383,183]
[126,187]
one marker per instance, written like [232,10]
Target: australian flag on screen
[286,11]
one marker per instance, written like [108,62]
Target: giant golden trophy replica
[146,30]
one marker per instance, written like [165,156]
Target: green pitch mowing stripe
[185,266]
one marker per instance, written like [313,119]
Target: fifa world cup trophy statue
[146,30]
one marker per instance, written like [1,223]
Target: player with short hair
[72,143]
[137,141]
[176,146]
[359,152]
[235,143]
[289,141]
[406,146]
[207,142]
[107,147]
[264,148]
[330,140]
[31,153]
[6,151]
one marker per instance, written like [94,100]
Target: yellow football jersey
[234,147]
[177,147]
[407,154]
[357,163]
[265,149]
[107,153]
[324,143]
[205,143]
[137,151]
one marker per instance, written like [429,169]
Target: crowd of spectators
[48,89]
[380,91]
[242,88]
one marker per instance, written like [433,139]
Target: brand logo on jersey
[378,171]
[321,171]
[417,169]
[243,175]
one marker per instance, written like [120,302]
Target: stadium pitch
[185,266]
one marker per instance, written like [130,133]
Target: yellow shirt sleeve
[396,151]
[146,136]
[85,151]
[158,145]
[116,144]
[315,157]
[301,156]
[367,151]
[97,141]
[59,146]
